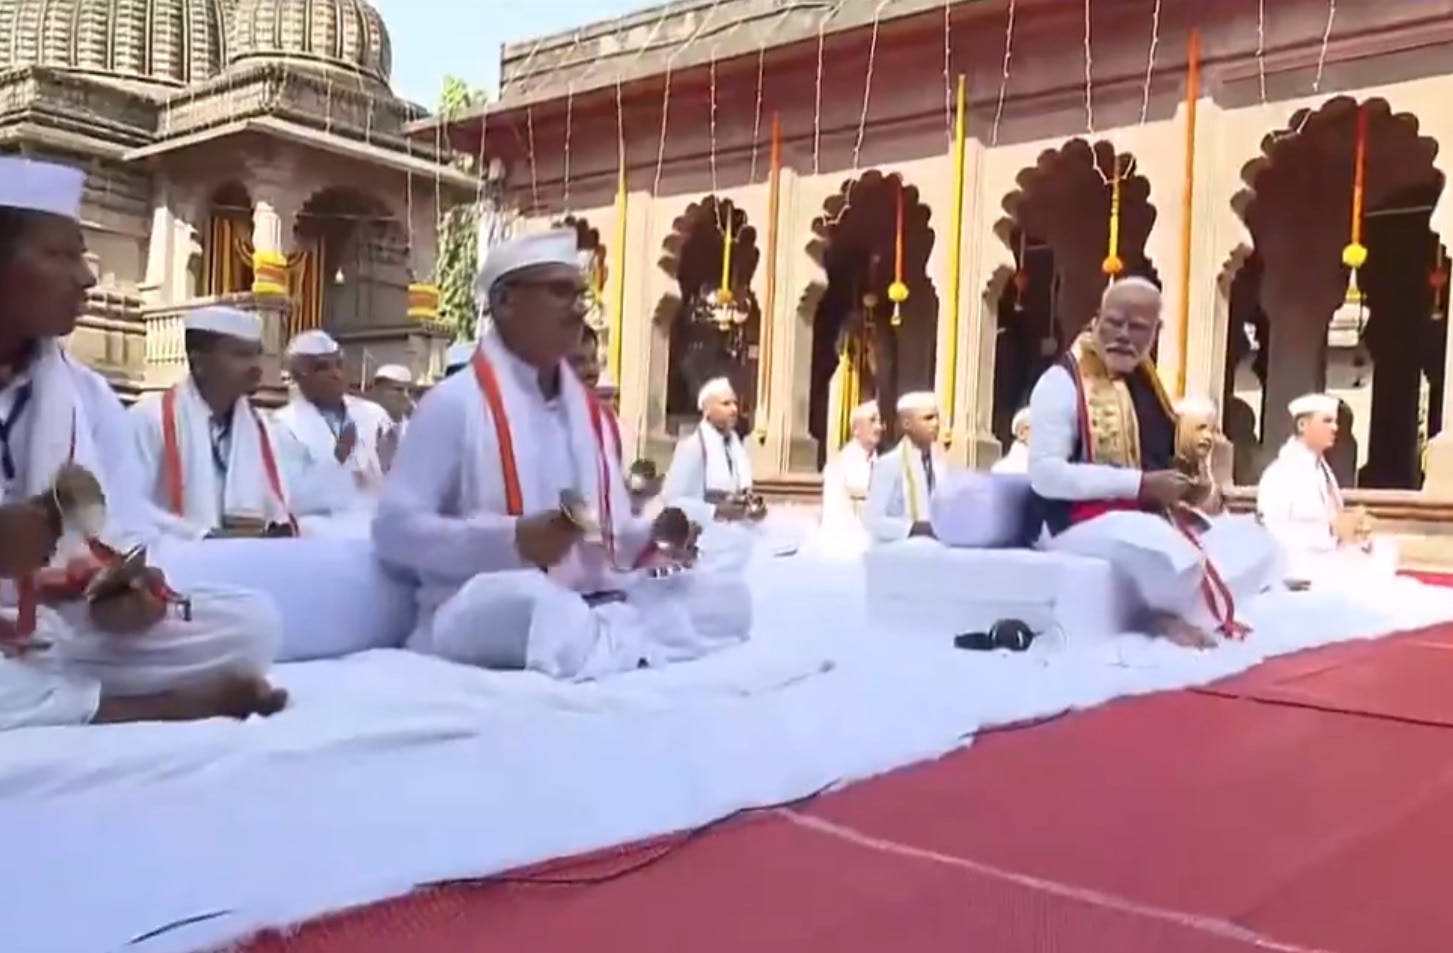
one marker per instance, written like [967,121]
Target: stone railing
[166,351]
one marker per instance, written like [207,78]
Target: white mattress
[392,770]
[922,588]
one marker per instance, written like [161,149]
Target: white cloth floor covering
[392,770]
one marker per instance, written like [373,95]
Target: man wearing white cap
[710,467]
[846,477]
[510,509]
[334,430]
[1017,459]
[1198,445]
[392,390]
[1327,543]
[215,465]
[904,478]
[66,657]
[1102,463]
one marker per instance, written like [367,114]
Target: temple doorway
[716,325]
[1058,225]
[1371,335]
[875,324]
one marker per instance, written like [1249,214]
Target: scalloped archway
[855,240]
[349,265]
[697,255]
[1384,360]
[1057,224]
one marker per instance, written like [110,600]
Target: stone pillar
[789,441]
[987,265]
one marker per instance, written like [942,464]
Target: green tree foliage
[459,227]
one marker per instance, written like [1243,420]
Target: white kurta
[845,482]
[223,473]
[1164,568]
[354,492]
[706,460]
[898,493]
[1015,461]
[229,630]
[444,517]
[1298,501]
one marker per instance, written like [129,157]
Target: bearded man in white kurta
[68,658]
[846,477]
[904,478]
[1102,463]
[710,468]
[475,507]
[334,429]
[214,463]
[1327,543]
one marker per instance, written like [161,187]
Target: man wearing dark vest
[1102,465]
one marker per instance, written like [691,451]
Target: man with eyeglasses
[1102,464]
[511,508]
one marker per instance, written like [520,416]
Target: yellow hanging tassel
[1112,266]
[1354,256]
[898,290]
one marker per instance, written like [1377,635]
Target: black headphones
[1010,634]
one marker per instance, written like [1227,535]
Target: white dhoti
[231,631]
[526,620]
[37,691]
[1345,566]
[1166,571]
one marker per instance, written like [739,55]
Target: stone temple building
[775,191]
[245,151]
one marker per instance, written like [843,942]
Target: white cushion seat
[920,587]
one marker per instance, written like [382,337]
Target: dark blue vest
[1157,439]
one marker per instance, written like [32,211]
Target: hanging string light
[1004,75]
[534,168]
[898,290]
[1354,255]
[569,130]
[1112,266]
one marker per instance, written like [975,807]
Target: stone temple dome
[346,34]
[170,42]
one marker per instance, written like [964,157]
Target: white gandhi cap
[1313,404]
[555,247]
[1196,406]
[920,401]
[1020,421]
[33,186]
[605,385]
[718,388]
[312,344]
[228,322]
[396,373]
[864,411]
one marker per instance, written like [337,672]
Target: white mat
[392,771]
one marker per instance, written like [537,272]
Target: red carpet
[1302,807]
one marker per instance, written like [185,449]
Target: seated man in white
[1017,459]
[1198,441]
[904,478]
[66,658]
[484,504]
[584,360]
[210,460]
[1102,465]
[846,477]
[331,429]
[1326,542]
[710,464]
